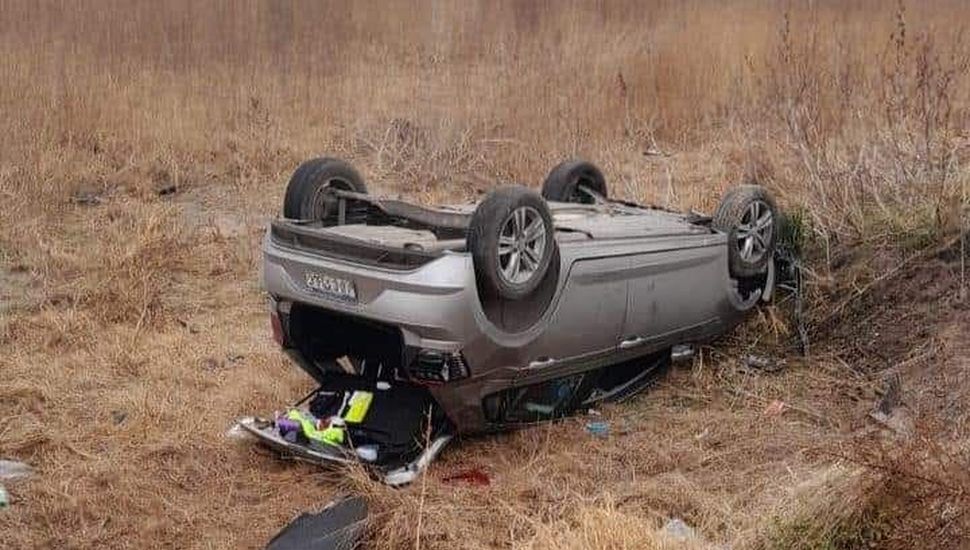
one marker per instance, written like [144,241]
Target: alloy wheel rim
[755,232]
[521,245]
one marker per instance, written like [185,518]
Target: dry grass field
[143,146]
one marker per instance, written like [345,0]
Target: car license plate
[335,287]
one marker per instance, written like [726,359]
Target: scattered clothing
[331,430]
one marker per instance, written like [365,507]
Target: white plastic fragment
[408,473]
[367,452]
[237,433]
[11,469]
[681,353]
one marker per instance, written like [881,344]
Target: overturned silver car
[423,323]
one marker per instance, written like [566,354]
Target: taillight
[432,365]
[277,324]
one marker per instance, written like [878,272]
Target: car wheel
[307,196]
[512,243]
[748,215]
[567,181]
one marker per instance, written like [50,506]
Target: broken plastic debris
[678,530]
[681,352]
[11,469]
[4,497]
[339,525]
[408,473]
[236,433]
[367,453]
[599,429]
[763,363]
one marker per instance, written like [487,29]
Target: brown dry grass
[133,330]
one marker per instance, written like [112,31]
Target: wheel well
[518,315]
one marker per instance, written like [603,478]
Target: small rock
[898,420]
[119,416]
[678,530]
[890,412]
[891,396]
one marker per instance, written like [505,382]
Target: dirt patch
[892,312]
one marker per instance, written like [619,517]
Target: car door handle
[541,362]
[633,341]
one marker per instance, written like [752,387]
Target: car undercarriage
[420,324]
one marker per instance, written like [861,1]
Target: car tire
[306,195]
[749,217]
[565,180]
[511,241]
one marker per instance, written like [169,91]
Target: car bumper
[434,305]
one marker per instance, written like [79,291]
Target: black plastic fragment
[339,526]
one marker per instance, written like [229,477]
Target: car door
[672,294]
[588,316]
